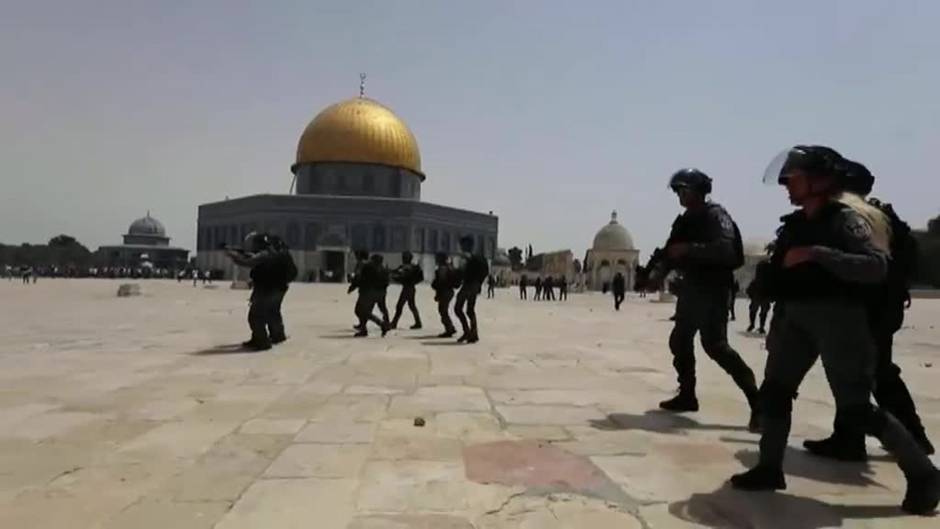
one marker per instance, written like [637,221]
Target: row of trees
[62,251]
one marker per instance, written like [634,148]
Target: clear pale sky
[550,114]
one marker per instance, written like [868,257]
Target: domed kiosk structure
[145,242]
[613,251]
[357,181]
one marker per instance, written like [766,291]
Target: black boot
[924,442]
[750,328]
[447,334]
[473,338]
[923,494]
[760,478]
[838,448]
[416,326]
[463,338]
[684,401]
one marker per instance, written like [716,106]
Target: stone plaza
[141,412]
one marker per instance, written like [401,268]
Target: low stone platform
[143,413]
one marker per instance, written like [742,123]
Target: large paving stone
[410,521]
[425,486]
[318,461]
[155,514]
[549,415]
[438,399]
[293,504]
[339,432]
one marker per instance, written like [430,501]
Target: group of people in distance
[544,288]
[838,275]
[464,283]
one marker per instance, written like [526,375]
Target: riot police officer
[705,247]
[472,273]
[885,306]
[272,269]
[443,284]
[822,266]
[372,282]
[408,275]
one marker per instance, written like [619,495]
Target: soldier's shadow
[658,421]
[226,349]
[802,464]
[727,508]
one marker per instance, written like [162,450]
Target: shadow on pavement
[727,508]
[350,334]
[802,464]
[227,349]
[658,421]
[447,343]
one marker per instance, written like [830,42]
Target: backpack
[290,269]
[904,250]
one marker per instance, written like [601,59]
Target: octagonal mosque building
[358,181]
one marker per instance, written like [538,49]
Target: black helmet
[815,160]
[440,258]
[466,243]
[406,257]
[691,179]
[255,242]
[856,178]
[361,255]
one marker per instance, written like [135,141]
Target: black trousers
[443,309]
[836,331]
[465,308]
[618,299]
[522,293]
[563,294]
[365,303]
[890,391]
[703,310]
[264,315]
[758,306]
[407,296]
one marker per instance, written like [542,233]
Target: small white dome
[613,236]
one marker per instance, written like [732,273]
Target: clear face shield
[773,175]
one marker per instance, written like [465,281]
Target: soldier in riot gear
[885,310]
[822,270]
[409,275]
[472,274]
[272,270]
[372,283]
[760,303]
[705,247]
[444,283]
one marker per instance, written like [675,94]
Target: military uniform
[272,270]
[443,285]
[372,280]
[715,250]
[473,273]
[821,312]
[760,303]
[408,275]
[885,305]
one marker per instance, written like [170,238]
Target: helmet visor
[774,174]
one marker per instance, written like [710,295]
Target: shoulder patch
[857,227]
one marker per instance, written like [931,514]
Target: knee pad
[776,400]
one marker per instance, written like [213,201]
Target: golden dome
[359,130]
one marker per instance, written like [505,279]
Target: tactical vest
[693,228]
[810,280]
